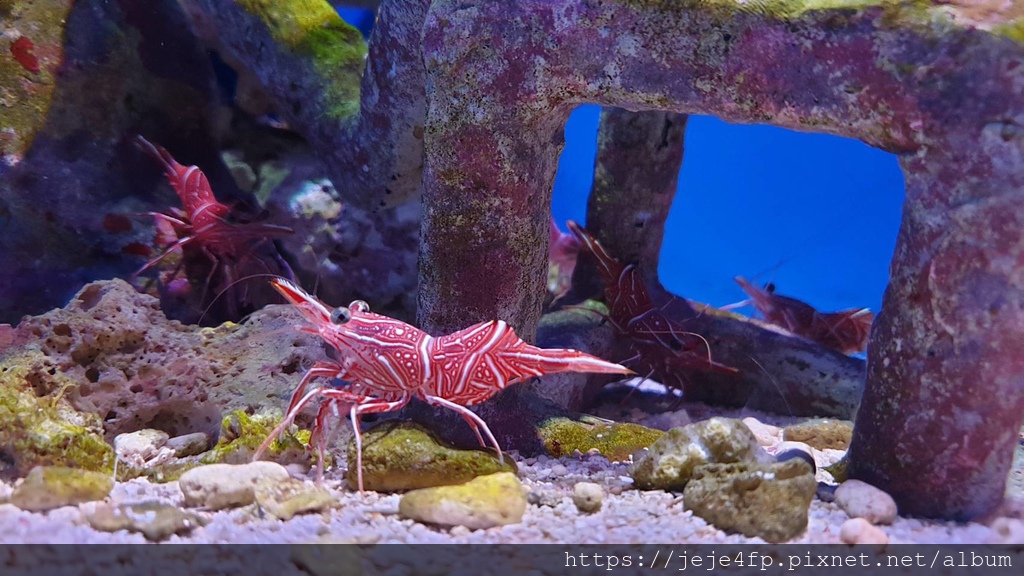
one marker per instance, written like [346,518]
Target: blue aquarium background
[815,214]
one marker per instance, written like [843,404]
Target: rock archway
[941,87]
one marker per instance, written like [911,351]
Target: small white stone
[559,470]
[1006,531]
[218,486]
[860,531]
[862,500]
[587,496]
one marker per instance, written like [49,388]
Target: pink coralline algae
[942,406]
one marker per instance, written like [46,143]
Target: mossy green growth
[242,434]
[406,456]
[47,431]
[313,28]
[615,441]
[1014,30]
[840,470]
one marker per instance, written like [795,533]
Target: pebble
[862,500]
[544,497]
[559,470]
[860,531]
[155,520]
[484,502]
[284,499]
[48,487]
[587,496]
[218,486]
[189,444]
[1006,531]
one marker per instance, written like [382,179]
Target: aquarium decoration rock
[941,93]
[311,62]
[820,433]
[285,499]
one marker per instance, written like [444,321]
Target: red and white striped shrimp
[663,349]
[389,362]
[846,331]
[203,234]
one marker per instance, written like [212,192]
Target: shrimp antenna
[231,285]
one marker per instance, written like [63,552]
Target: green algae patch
[47,431]
[406,456]
[336,50]
[1014,30]
[615,441]
[840,470]
[242,434]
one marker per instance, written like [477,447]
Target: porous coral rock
[770,502]
[45,429]
[112,352]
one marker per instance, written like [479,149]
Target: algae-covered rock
[284,499]
[821,433]
[154,520]
[615,441]
[48,487]
[484,502]
[44,430]
[770,502]
[405,456]
[242,434]
[672,460]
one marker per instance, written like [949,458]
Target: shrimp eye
[359,306]
[340,315]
